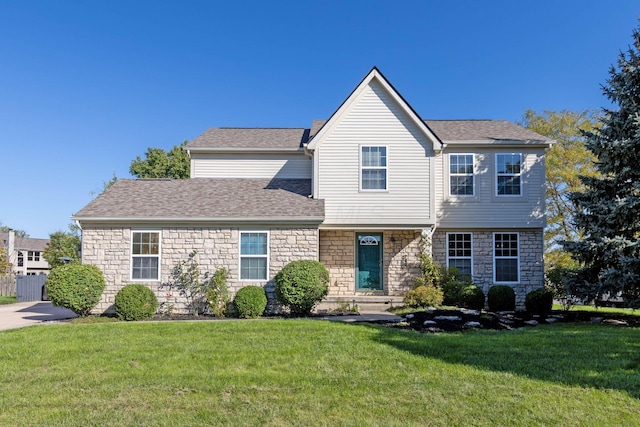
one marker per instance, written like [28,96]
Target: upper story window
[461,180]
[33,256]
[254,255]
[20,259]
[373,168]
[508,171]
[145,255]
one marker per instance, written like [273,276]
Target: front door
[369,262]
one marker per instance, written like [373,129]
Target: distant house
[365,192]
[25,254]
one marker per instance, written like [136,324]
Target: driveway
[23,314]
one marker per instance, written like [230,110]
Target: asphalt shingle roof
[206,199]
[481,130]
[251,138]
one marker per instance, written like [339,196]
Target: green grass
[602,310]
[311,372]
[8,300]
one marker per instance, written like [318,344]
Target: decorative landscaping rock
[448,318]
[429,323]
[469,312]
[473,324]
[532,322]
[615,322]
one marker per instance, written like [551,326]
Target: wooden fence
[8,286]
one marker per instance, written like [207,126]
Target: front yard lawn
[311,372]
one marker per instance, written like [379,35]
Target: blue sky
[86,86]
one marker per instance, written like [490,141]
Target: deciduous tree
[159,163]
[61,247]
[567,160]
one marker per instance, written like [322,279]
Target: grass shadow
[585,355]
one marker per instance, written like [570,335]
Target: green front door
[369,262]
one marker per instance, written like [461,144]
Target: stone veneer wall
[109,248]
[401,261]
[531,259]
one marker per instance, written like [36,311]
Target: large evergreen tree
[609,208]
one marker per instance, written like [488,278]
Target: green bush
[452,284]
[250,301]
[218,292]
[539,301]
[300,285]
[501,298]
[135,302]
[472,297]
[77,287]
[424,296]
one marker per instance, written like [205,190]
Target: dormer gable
[377,79]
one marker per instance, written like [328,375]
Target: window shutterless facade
[373,168]
[461,180]
[254,255]
[145,255]
[508,174]
[460,252]
[506,258]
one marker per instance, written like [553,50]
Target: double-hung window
[459,252]
[506,258]
[33,256]
[145,255]
[373,168]
[508,172]
[254,255]
[20,259]
[461,175]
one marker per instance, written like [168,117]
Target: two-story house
[364,192]
[25,254]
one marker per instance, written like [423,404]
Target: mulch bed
[460,320]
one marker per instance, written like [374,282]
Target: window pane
[508,163]
[145,243]
[506,270]
[462,185]
[374,156]
[374,179]
[463,266]
[509,185]
[144,268]
[253,244]
[253,268]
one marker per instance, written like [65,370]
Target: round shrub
[250,301]
[135,302]
[472,297]
[424,296]
[75,286]
[539,301]
[501,298]
[300,285]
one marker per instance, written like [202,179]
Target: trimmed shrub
[501,298]
[453,284]
[472,297]
[539,301]
[424,296]
[218,292]
[301,284]
[77,287]
[250,301]
[135,302]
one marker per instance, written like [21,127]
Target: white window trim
[509,174]
[456,257]
[495,271]
[131,255]
[386,168]
[240,255]
[473,175]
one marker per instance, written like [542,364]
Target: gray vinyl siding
[251,165]
[375,119]
[485,209]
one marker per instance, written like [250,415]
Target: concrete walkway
[23,314]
